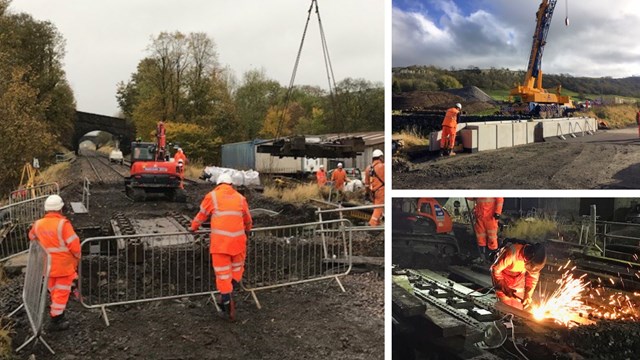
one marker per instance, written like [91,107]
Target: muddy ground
[581,163]
[310,321]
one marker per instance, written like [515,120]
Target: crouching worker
[57,237]
[515,273]
[230,226]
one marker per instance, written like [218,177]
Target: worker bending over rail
[516,272]
[57,237]
[230,226]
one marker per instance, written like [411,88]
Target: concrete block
[504,135]
[519,133]
[487,139]
[531,131]
[470,139]
[434,140]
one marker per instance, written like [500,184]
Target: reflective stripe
[60,239]
[227,233]
[56,250]
[227,213]
[237,263]
[214,199]
[58,306]
[224,276]
[61,287]
[71,238]
[221,268]
[56,312]
[484,200]
[202,212]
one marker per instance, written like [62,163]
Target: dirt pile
[473,100]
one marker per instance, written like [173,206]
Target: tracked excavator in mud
[529,97]
[422,229]
[152,172]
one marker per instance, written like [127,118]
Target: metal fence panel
[125,269]
[34,293]
[15,220]
[293,254]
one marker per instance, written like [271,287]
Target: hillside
[431,78]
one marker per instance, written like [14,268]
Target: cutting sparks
[565,303]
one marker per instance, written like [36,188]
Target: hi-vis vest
[57,237]
[230,218]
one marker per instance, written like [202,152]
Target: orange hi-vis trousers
[60,288]
[227,267]
[487,232]
[448,139]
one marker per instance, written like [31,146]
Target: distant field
[503,95]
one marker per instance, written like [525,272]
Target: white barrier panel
[519,133]
[504,135]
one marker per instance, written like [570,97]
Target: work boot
[58,323]
[452,153]
[227,307]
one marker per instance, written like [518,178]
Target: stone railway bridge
[119,128]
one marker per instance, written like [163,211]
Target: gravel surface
[573,164]
[308,321]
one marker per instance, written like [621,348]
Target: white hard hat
[180,149]
[224,179]
[321,166]
[377,153]
[339,165]
[459,106]
[53,203]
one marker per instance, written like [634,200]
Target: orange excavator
[152,172]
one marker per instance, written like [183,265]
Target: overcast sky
[601,40]
[105,40]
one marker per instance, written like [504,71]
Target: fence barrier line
[15,220]
[34,293]
[34,191]
[127,269]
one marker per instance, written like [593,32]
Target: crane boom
[531,90]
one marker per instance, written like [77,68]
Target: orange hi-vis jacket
[180,156]
[375,182]
[339,177]
[486,207]
[230,219]
[451,117]
[508,270]
[57,237]
[321,176]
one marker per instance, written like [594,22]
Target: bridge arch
[120,128]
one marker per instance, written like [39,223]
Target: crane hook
[566,19]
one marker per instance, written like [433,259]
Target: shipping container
[240,155]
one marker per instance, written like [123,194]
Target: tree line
[180,80]
[432,78]
[37,105]
[204,105]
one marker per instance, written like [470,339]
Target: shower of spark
[565,303]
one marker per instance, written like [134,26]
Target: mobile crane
[152,172]
[531,92]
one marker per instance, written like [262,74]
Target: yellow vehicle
[531,90]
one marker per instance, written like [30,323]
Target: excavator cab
[142,151]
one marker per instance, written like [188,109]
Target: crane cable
[328,67]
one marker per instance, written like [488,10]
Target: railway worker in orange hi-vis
[339,177]
[374,182]
[181,159]
[57,237]
[230,226]
[516,271]
[487,211]
[321,176]
[449,128]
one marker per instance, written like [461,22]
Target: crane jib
[544,16]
